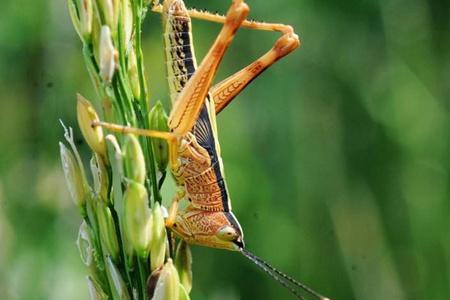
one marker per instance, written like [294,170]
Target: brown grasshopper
[194,151]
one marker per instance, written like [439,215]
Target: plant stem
[142,277]
[122,248]
[143,110]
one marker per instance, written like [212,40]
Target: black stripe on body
[202,129]
[208,143]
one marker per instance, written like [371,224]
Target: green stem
[98,245]
[142,277]
[137,11]
[142,111]
[122,247]
[121,47]
[127,95]
[161,180]
[92,69]
[119,101]
[149,159]
[122,75]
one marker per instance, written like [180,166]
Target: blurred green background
[337,158]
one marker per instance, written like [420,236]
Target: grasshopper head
[210,229]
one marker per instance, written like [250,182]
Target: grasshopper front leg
[170,137]
[173,156]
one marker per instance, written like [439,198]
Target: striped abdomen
[202,178]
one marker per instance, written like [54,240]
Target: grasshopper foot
[286,44]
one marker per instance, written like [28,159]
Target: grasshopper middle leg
[174,208]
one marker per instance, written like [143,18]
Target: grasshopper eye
[227,233]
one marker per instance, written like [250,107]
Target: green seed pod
[108,55]
[158,245]
[138,218]
[109,9]
[86,115]
[127,21]
[85,12]
[76,184]
[73,12]
[95,290]
[107,228]
[87,249]
[133,74]
[100,177]
[158,121]
[134,160]
[116,195]
[129,250]
[183,263]
[115,156]
[168,284]
[183,294]
[95,35]
[85,244]
[118,287]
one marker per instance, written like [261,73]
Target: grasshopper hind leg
[191,99]
[224,92]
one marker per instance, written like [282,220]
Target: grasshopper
[194,150]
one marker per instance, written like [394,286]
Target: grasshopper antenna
[285,280]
